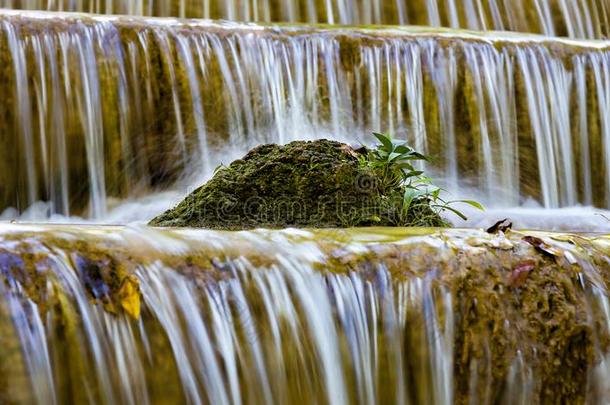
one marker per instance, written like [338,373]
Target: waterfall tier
[137,315]
[576,18]
[99,107]
[98,110]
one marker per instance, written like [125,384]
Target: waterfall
[576,19]
[117,107]
[100,111]
[291,316]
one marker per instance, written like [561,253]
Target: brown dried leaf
[500,226]
[541,246]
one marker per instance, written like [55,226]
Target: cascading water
[111,118]
[277,317]
[115,107]
[577,18]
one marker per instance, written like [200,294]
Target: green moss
[303,184]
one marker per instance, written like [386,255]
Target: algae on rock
[303,184]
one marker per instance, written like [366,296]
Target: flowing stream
[108,119]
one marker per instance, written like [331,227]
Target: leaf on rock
[129,296]
[350,150]
[500,226]
[541,246]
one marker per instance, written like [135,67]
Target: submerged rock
[302,184]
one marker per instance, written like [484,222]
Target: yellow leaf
[129,296]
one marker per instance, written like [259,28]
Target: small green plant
[394,160]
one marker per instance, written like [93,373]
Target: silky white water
[111,120]
[277,317]
[159,108]
[577,19]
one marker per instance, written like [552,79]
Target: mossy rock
[317,184]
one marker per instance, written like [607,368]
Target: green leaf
[448,208]
[374,218]
[410,195]
[394,156]
[469,202]
[402,149]
[405,166]
[441,200]
[435,193]
[382,154]
[424,180]
[414,173]
[385,140]
[418,156]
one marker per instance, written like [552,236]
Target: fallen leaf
[354,151]
[500,226]
[129,296]
[541,246]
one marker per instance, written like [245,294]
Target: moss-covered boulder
[302,184]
